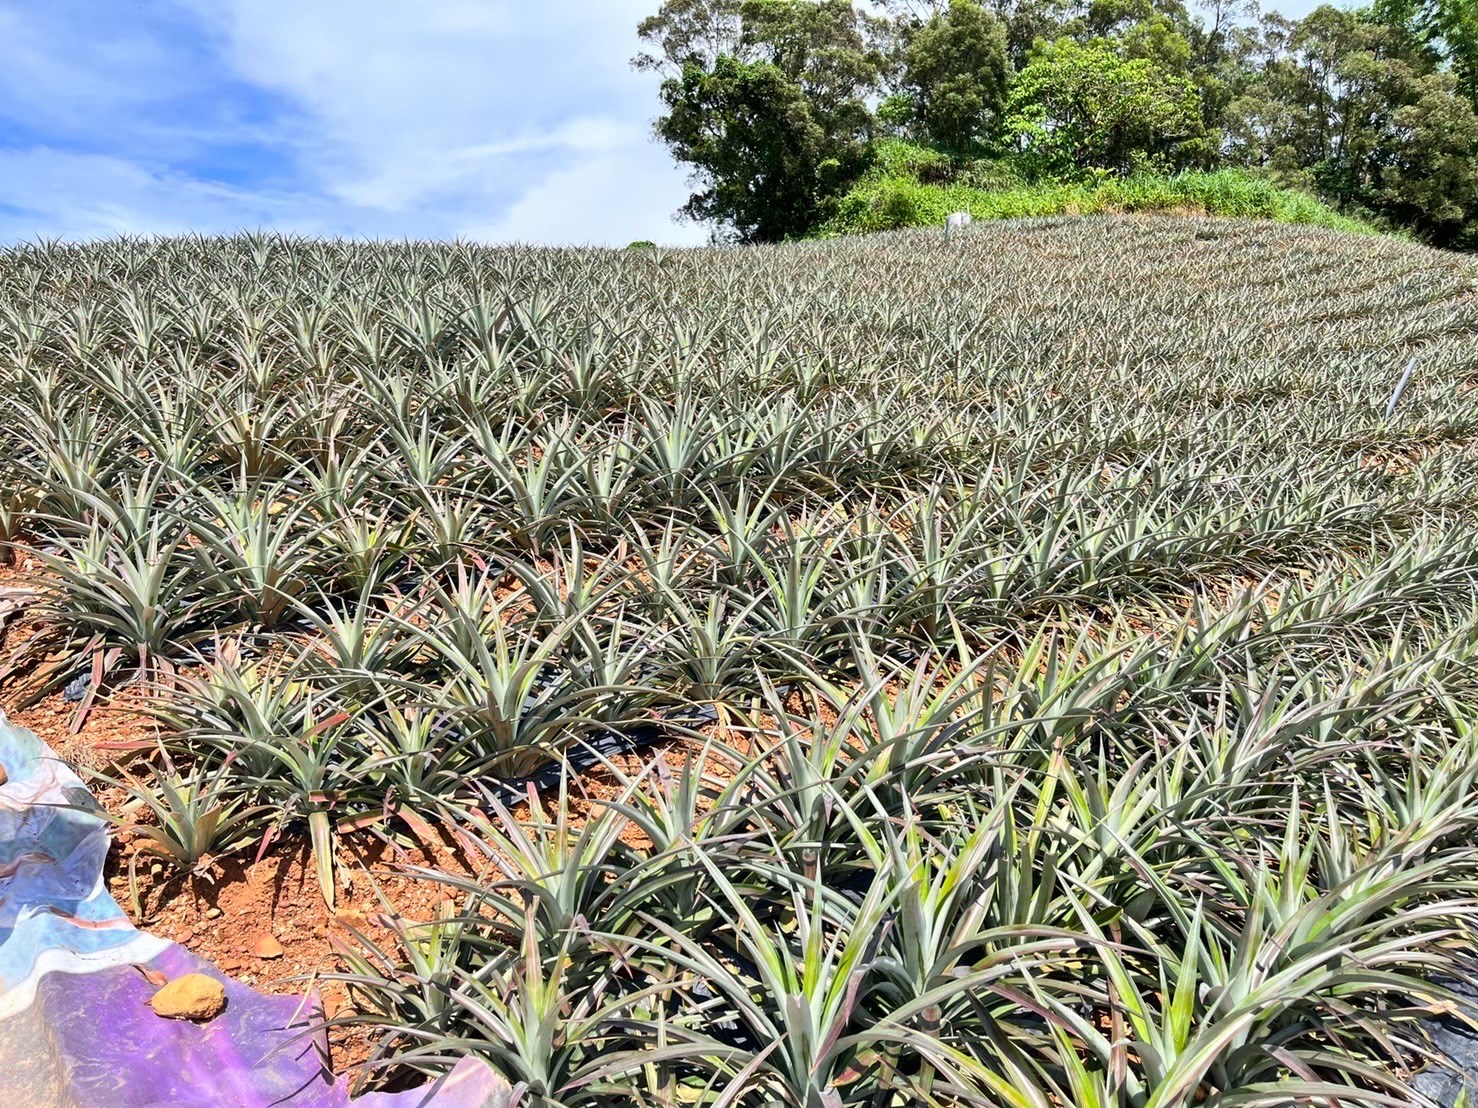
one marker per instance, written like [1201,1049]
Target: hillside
[913,186]
[1024,670]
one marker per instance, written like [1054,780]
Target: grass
[911,187]
[1061,670]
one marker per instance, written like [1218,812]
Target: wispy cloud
[491,120]
[49,193]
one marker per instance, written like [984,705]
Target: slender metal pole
[1400,388]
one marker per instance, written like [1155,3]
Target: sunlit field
[1032,671]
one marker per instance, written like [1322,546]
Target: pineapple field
[1038,670]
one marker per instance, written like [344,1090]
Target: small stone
[212,913]
[185,936]
[192,997]
[267,947]
[4,777]
[156,870]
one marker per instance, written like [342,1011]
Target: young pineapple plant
[1039,673]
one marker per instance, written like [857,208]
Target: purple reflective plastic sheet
[75,1023]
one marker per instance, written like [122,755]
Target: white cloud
[402,181]
[609,199]
[50,75]
[60,194]
[475,118]
[473,110]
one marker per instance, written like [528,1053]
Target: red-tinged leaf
[333,721]
[267,837]
[125,744]
[419,827]
[359,823]
[152,976]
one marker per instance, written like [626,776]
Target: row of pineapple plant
[1072,663]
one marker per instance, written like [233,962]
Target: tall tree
[1449,28]
[1078,107]
[955,75]
[689,32]
[1371,118]
[767,101]
[774,103]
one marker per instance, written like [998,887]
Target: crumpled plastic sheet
[76,1028]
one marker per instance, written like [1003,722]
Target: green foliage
[894,157]
[744,126]
[1371,123]
[1448,28]
[688,32]
[1076,108]
[890,200]
[955,75]
[1373,110]
[776,124]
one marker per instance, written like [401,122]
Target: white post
[1400,388]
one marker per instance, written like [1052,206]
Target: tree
[1447,28]
[1371,118]
[767,101]
[766,167]
[774,103]
[689,32]
[955,75]
[1030,21]
[1259,119]
[821,45]
[1430,179]
[758,152]
[1157,30]
[1077,107]
[1226,16]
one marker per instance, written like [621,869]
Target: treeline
[781,106]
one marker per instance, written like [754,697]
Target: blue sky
[1301,8]
[491,120]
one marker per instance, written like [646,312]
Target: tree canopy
[777,105]
[1077,107]
[954,75]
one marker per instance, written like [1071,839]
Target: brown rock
[267,947]
[4,777]
[192,997]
